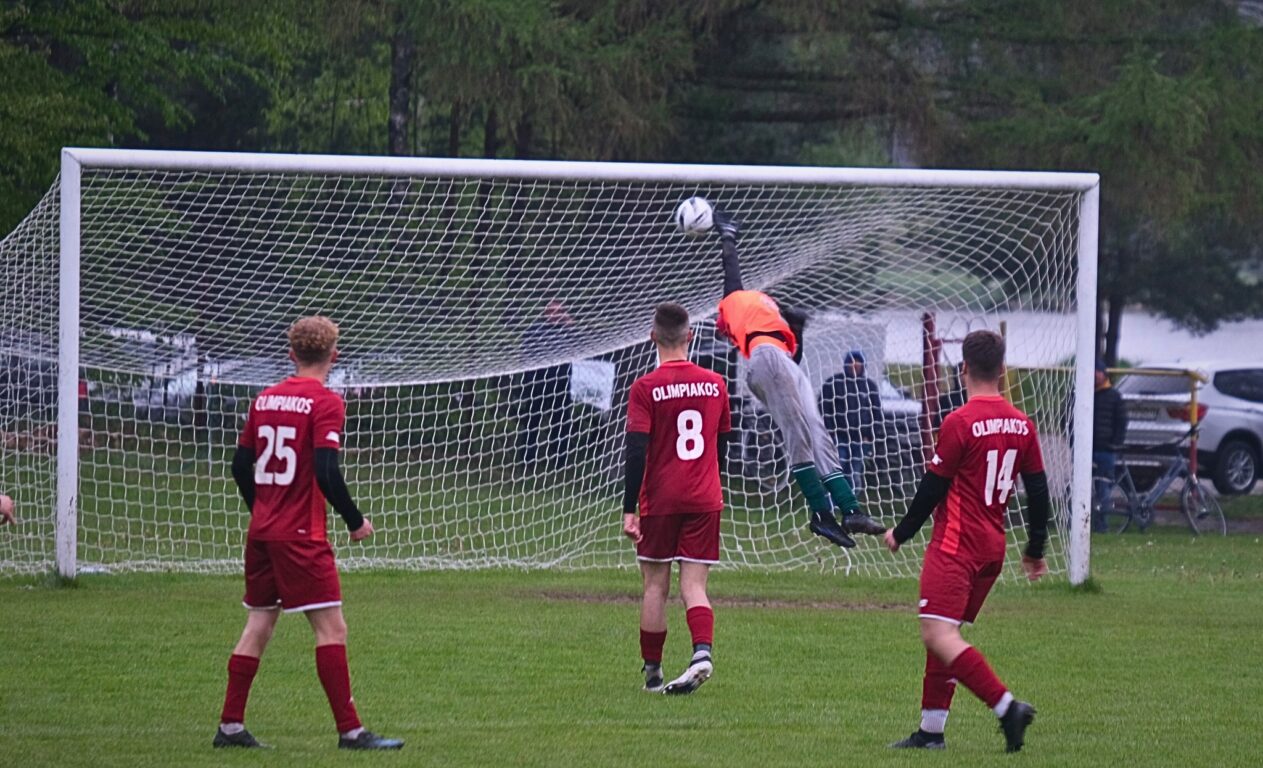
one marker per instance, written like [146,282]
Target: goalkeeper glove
[726,225]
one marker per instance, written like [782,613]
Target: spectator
[6,510]
[952,399]
[544,396]
[852,413]
[1109,431]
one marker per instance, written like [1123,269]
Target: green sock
[843,497]
[808,480]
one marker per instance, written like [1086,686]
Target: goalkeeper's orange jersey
[750,318]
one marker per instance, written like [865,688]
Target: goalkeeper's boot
[1016,718]
[699,671]
[921,740]
[653,678]
[725,224]
[858,522]
[241,738]
[826,525]
[369,740]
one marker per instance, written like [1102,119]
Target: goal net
[494,315]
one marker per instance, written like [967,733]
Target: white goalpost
[494,314]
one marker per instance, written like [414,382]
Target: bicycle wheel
[1202,509]
[1111,513]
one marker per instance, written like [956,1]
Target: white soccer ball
[694,216]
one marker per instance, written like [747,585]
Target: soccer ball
[694,216]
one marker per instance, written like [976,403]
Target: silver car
[1230,406]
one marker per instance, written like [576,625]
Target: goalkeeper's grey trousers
[785,391]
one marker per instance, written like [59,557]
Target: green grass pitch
[1160,666]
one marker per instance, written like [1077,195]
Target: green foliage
[1163,97]
[110,73]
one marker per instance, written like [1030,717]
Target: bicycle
[1198,504]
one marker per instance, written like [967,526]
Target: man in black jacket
[852,412]
[1109,431]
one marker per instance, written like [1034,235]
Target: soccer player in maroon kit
[967,486]
[677,429]
[286,467]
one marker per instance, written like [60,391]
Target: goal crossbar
[442,167]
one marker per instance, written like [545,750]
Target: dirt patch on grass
[725,601]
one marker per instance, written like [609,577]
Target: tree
[1161,97]
[109,72]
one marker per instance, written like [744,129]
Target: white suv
[1230,405]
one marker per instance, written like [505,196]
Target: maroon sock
[651,646]
[971,669]
[241,670]
[938,686]
[702,624]
[336,679]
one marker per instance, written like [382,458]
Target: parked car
[1230,415]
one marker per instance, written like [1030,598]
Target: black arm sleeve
[721,449]
[931,491]
[633,469]
[796,319]
[732,266]
[1038,510]
[243,474]
[333,486]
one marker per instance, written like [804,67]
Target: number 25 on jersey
[275,439]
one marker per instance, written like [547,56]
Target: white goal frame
[74,160]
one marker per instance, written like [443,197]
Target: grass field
[1158,667]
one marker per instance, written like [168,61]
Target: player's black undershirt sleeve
[732,266]
[333,486]
[721,449]
[634,451]
[796,319]
[931,491]
[243,474]
[1038,510]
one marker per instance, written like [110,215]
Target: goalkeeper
[754,323]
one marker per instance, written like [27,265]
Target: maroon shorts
[295,575]
[694,538]
[954,589]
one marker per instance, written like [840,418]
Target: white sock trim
[231,729]
[1003,705]
[934,720]
[354,733]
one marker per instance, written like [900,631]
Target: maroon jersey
[982,447]
[683,408]
[287,423]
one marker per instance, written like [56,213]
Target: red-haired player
[286,467]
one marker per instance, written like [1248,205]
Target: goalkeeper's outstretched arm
[333,486]
[732,267]
[727,228]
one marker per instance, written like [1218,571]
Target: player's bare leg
[701,619]
[329,627]
[653,620]
[970,668]
[242,667]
